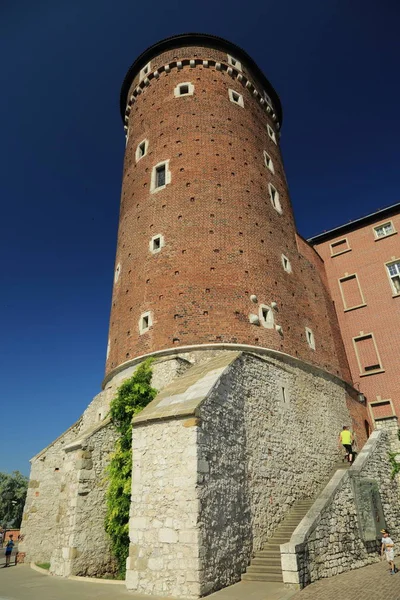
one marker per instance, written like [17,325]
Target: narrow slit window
[160,176]
[145,322]
[236,98]
[268,162]
[384,230]
[266,316]
[156,243]
[394,276]
[310,338]
[271,133]
[274,195]
[286,264]
[141,150]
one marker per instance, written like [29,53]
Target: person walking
[346,439]
[387,548]
[9,548]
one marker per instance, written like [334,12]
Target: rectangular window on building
[351,292]
[340,246]
[394,276]
[160,176]
[384,230]
[367,354]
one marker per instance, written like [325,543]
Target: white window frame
[275,201]
[153,188]
[177,90]
[268,162]
[138,147]
[337,243]
[380,237]
[117,272]
[127,137]
[234,62]
[286,264]
[145,317]
[362,369]
[232,94]
[271,134]
[391,277]
[154,250]
[269,322]
[310,338]
[145,71]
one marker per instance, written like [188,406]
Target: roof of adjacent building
[194,39]
[379,215]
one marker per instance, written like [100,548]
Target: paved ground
[369,583]
[22,583]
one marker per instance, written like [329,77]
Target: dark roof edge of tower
[192,39]
[379,215]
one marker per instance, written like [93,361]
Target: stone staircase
[266,564]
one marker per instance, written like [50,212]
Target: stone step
[266,561]
[262,577]
[270,548]
[264,569]
[279,540]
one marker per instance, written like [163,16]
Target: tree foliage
[13,490]
[133,395]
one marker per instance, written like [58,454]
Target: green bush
[43,565]
[133,395]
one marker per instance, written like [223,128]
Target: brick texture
[380,315]
[223,238]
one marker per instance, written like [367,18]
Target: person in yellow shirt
[346,440]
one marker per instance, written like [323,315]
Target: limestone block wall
[81,546]
[260,433]
[164,551]
[40,519]
[329,540]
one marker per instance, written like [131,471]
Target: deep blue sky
[335,65]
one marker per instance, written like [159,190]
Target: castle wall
[254,451]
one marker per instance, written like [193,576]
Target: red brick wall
[223,238]
[381,313]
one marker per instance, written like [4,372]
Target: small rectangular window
[266,316]
[234,62]
[271,133]
[384,230]
[310,338]
[145,322]
[394,275]
[183,89]
[268,162]
[286,264]
[274,195]
[160,176]
[144,72]
[236,98]
[367,353]
[351,292]
[156,243]
[340,246]
[141,150]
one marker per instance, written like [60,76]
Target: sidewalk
[22,583]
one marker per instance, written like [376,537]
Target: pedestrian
[1,538]
[388,548]
[9,548]
[346,439]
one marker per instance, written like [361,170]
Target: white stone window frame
[275,200]
[239,101]
[268,162]
[145,322]
[139,156]
[153,188]
[310,338]
[127,137]
[117,273]
[145,71]
[177,90]
[108,348]
[159,237]
[269,322]
[385,235]
[286,264]
[342,243]
[267,99]
[234,62]
[271,133]
[341,281]
[362,368]
[393,261]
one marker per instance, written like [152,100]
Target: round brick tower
[207,252]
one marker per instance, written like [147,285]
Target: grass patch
[43,565]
